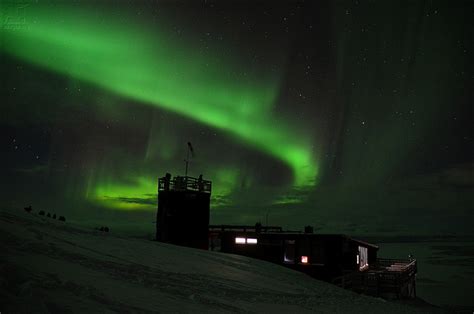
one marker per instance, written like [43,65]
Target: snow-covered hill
[47,266]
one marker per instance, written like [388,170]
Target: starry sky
[347,115]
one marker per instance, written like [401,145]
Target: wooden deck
[389,278]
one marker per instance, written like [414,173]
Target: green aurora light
[153,67]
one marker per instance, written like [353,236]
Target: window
[251,241]
[289,254]
[239,240]
[363,258]
[304,259]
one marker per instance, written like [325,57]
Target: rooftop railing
[179,183]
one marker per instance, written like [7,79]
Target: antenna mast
[190,150]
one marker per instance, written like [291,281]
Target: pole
[187,161]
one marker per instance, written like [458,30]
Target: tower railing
[184,183]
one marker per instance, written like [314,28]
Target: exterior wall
[329,256]
[353,251]
[372,256]
[183,218]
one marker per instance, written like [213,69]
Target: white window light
[251,241]
[239,240]
[363,258]
[304,259]
[357,259]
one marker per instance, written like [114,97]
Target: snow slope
[51,267]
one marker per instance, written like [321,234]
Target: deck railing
[385,276]
[184,184]
[396,265]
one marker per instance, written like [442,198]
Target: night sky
[351,116]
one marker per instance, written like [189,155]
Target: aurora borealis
[323,113]
[162,75]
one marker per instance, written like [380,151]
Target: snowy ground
[51,267]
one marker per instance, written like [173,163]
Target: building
[183,219]
[183,211]
[336,258]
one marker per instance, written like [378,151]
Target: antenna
[190,150]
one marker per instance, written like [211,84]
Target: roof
[277,231]
[365,243]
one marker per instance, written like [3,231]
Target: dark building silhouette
[183,219]
[183,211]
[337,258]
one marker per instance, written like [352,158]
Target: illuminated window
[251,241]
[240,240]
[363,258]
[357,259]
[289,255]
[304,259]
